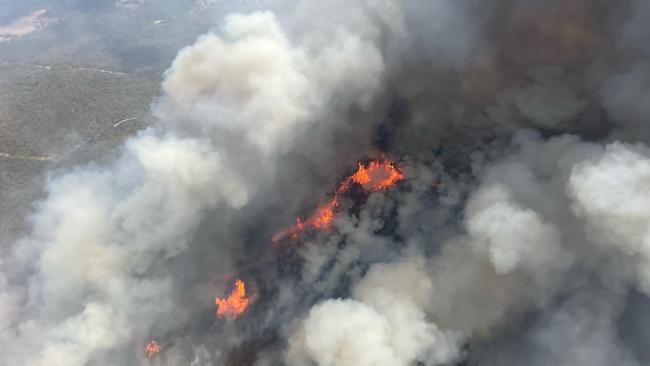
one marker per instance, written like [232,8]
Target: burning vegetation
[234,305]
[375,176]
[524,216]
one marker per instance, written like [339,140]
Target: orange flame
[152,348]
[376,176]
[235,304]
[321,219]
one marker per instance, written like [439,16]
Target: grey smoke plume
[515,238]
[101,238]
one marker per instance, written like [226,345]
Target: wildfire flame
[376,176]
[152,348]
[321,219]
[235,304]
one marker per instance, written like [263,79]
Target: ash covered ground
[372,182]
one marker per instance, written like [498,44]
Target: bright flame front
[235,304]
[376,176]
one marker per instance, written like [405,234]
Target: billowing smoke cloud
[93,262]
[609,197]
[387,316]
[518,231]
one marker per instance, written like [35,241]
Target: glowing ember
[374,177]
[152,348]
[235,304]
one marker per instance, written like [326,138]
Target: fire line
[376,176]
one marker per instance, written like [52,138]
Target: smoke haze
[520,234]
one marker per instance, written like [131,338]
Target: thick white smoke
[385,324]
[503,245]
[609,194]
[92,265]
[541,219]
